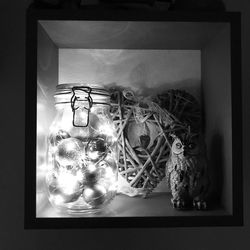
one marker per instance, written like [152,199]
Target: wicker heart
[142,142]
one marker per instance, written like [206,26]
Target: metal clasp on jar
[81,103]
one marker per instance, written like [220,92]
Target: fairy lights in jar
[81,150]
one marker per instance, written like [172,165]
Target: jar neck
[82,100]
[81,94]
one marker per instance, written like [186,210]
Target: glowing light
[107,129]
[109,173]
[57,199]
[70,146]
[79,176]
[67,182]
[40,106]
[88,192]
[114,186]
[43,169]
[93,155]
[40,129]
[91,167]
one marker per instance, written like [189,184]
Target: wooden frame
[33,16]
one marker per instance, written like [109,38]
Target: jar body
[82,161]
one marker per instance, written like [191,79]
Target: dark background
[12,233]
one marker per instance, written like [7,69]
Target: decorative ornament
[57,137]
[91,175]
[69,152]
[96,149]
[186,171]
[94,196]
[64,187]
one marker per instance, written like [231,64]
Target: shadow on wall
[140,88]
[145,71]
[215,168]
[139,80]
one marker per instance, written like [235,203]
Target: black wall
[12,233]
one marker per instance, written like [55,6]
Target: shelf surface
[157,204]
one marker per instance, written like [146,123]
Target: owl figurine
[186,172]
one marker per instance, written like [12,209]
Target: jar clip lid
[81,103]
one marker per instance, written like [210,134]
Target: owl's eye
[178,145]
[191,145]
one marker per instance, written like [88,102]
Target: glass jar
[82,155]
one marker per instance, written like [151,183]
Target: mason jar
[82,154]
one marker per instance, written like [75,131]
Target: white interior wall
[147,71]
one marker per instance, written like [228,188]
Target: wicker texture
[183,106]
